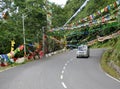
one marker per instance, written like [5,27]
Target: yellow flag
[12,42]
[12,45]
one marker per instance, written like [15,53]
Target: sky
[59,2]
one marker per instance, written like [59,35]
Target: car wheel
[88,53]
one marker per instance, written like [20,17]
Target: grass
[105,59]
[112,54]
[13,65]
[105,44]
[4,68]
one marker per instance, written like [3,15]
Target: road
[61,71]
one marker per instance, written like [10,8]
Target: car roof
[82,46]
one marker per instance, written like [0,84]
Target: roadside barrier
[56,52]
[101,39]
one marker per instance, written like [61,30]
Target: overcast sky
[59,2]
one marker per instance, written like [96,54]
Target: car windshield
[82,48]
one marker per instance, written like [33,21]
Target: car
[83,51]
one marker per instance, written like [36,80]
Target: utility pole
[81,7]
[43,42]
[23,18]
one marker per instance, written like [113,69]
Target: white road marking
[64,85]
[64,68]
[112,77]
[61,77]
[65,64]
[108,74]
[62,71]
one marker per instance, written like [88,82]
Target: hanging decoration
[106,14]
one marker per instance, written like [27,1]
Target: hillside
[72,6]
[96,22]
[93,6]
[111,59]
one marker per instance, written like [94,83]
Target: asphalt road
[61,71]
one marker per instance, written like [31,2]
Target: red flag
[21,47]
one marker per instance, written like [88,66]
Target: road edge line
[112,77]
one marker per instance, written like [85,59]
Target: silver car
[83,51]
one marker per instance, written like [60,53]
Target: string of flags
[105,14]
[7,58]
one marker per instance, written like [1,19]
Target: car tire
[88,53]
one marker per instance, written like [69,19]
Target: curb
[47,55]
[56,52]
[7,69]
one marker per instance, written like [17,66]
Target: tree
[11,28]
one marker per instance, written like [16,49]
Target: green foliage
[35,19]
[92,7]
[59,16]
[106,67]
[12,27]
[72,6]
[86,34]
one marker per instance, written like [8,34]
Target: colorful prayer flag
[108,7]
[115,4]
[119,2]
[98,12]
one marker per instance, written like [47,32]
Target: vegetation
[34,10]
[106,67]
[85,34]
[93,7]
[111,55]
[35,18]
[12,26]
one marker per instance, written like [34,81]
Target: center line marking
[62,71]
[61,76]
[64,68]
[66,64]
[63,84]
